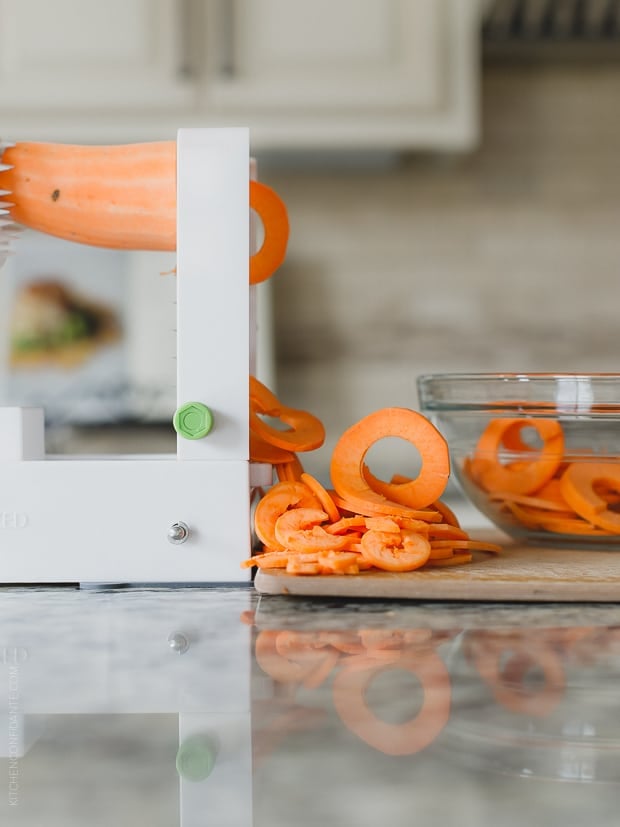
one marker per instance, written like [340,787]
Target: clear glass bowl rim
[598,393]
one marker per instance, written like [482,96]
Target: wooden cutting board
[520,573]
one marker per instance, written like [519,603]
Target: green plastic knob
[196,757]
[193,420]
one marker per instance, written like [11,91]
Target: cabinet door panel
[350,53]
[67,53]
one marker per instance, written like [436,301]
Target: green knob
[193,420]
[196,757]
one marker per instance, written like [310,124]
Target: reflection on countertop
[216,707]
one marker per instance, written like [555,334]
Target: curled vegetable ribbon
[532,470]
[305,433]
[356,485]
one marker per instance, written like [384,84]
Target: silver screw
[178,533]
[178,643]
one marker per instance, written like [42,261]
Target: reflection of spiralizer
[123,516]
[196,757]
[143,657]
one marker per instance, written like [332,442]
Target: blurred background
[449,166]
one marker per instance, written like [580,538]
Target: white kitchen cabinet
[364,73]
[70,56]
[393,74]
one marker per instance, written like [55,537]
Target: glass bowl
[536,453]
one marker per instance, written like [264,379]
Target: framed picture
[87,333]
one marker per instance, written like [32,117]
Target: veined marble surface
[214,707]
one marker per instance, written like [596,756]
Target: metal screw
[178,643]
[178,533]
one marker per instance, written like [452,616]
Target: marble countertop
[212,706]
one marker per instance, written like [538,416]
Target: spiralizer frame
[182,518]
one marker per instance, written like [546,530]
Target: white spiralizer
[179,518]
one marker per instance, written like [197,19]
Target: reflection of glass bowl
[537,703]
[538,454]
